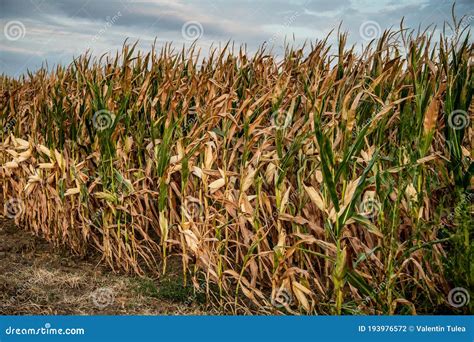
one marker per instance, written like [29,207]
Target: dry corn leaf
[217,184]
[315,197]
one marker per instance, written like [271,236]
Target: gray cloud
[56,30]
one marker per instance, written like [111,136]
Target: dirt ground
[37,279]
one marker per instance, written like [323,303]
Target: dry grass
[36,279]
[315,184]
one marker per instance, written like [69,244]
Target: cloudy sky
[35,31]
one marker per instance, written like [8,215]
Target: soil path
[36,279]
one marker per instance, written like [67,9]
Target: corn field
[324,181]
